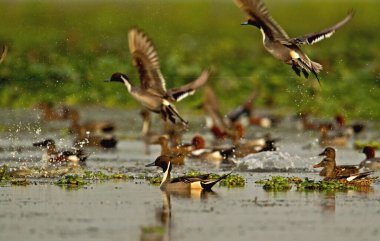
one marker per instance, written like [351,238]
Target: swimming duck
[152,93]
[345,129]
[307,124]
[333,172]
[277,42]
[371,162]
[3,53]
[104,141]
[167,184]
[177,154]
[82,130]
[332,138]
[50,114]
[59,157]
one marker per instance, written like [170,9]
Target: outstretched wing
[146,59]
[324,34]
[182,92]
[257,10]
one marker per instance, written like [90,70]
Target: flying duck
[152,92]
[180,183]
[277,42]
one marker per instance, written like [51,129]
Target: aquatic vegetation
[20,182]
[153,229]
[310,185]
[233,180]
[98,175]
[361,144]
[71,180]
[156,180]
[120,176]
[276,184]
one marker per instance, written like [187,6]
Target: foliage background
[62,51]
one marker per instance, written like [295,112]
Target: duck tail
[359,176]
[169,111]
[317,67]
[208,185]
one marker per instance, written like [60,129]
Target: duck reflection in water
[162,231]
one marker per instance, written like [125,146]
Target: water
[128,210]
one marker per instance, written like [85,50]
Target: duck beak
[151,164]
[317,165]
[244,23]
[322,153]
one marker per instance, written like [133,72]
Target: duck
[331,138]
[152,92]
[3,53]
[176,153]
[50,114]
[82,129]
[103,141]
[277,42]
[220,127]
[345,129]
[77,156]
[203,182]
[331,171]
[371,162]
[307,124]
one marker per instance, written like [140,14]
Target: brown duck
[152,92]
[333,172]
[371,162]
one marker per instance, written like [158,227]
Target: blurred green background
[62,51]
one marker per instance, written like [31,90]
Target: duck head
[198,142]
[329,153]
[251,21]
[369,151]
[118,77]
[162,161]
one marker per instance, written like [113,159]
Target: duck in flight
[152,92]
[277,42]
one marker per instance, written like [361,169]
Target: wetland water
[130,210]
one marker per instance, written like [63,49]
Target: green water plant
[311,185]
[233,180]
[276,184]
[361,144]
[73,180]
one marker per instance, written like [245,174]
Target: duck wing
[211,108]
[245,108]
[323,34]
[257,10]
[146,59]
[178,94]
[190,179]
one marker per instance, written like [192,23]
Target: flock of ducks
[155,97]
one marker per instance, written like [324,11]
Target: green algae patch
[156,180]
[276,184]
[233,180]
[310,185]
[71,181]
[98,176]
[121,176]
